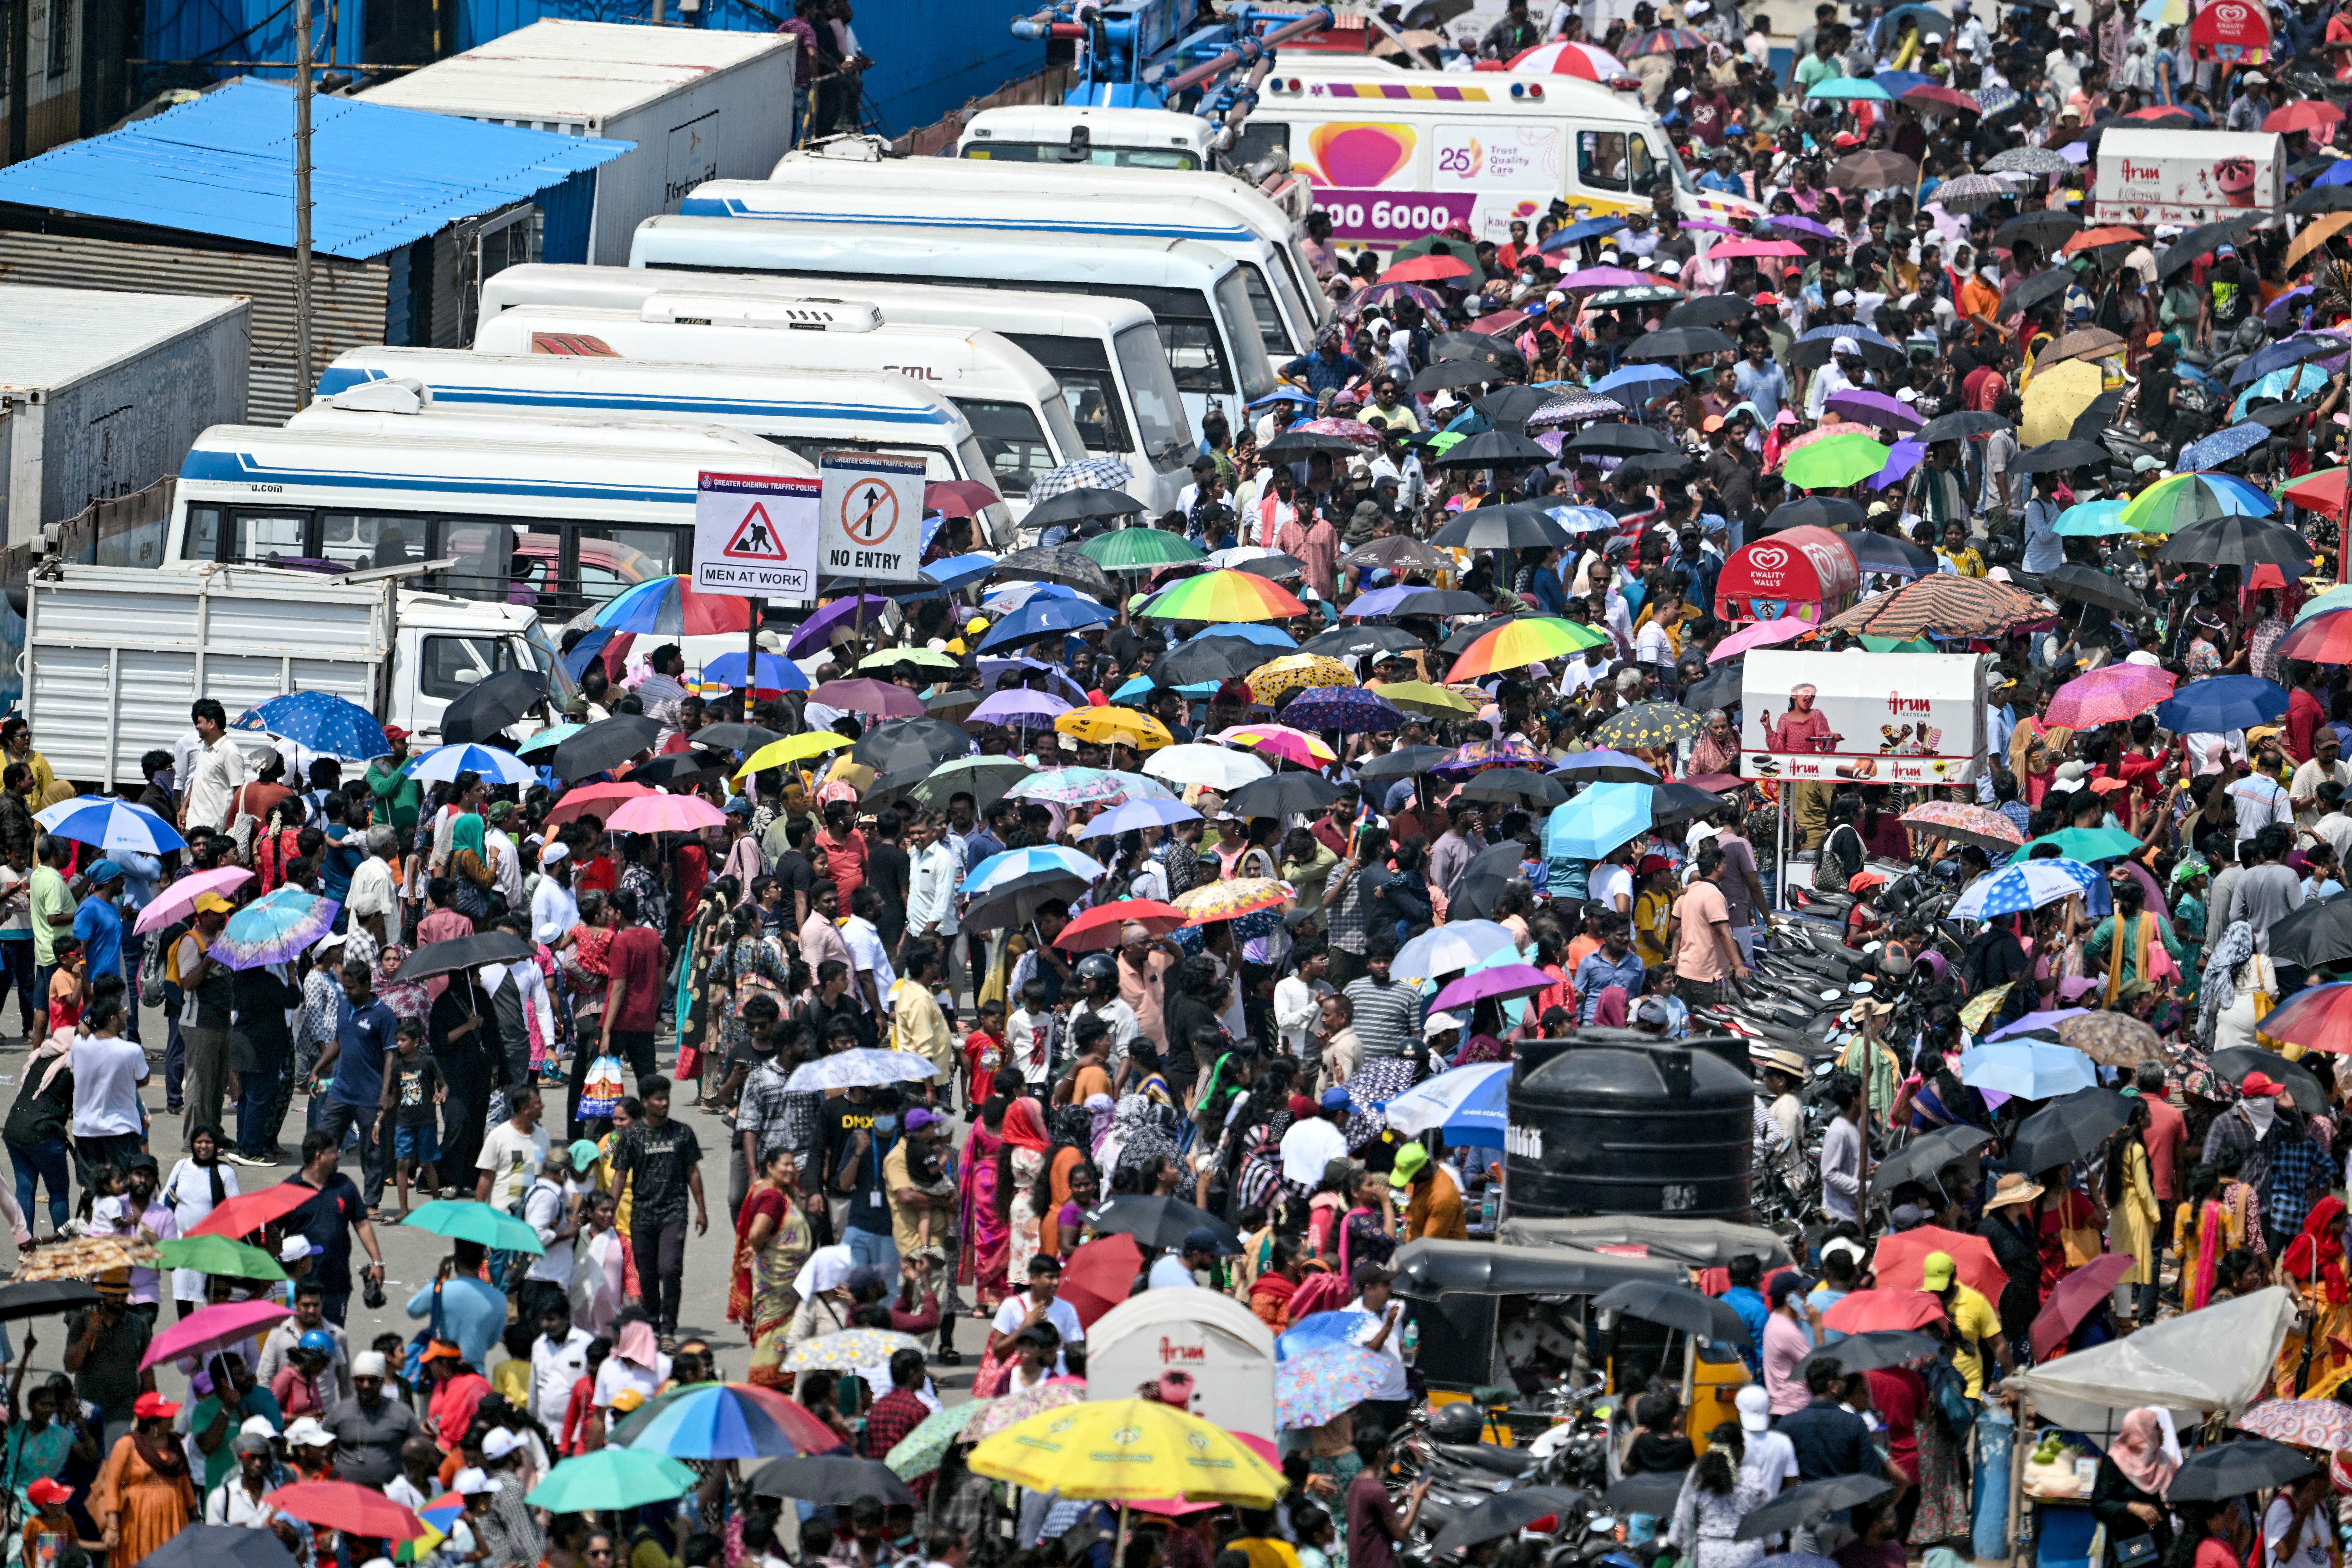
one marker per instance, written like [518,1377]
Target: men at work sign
[756,535]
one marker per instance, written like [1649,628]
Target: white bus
[808,411]
[559,512]
[1114,376]
[1196,295]
[1013,408]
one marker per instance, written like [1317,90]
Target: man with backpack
[1972,1324]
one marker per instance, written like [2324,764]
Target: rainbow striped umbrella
[669,606]
[1516,644]
[439,1516]
[1225,596]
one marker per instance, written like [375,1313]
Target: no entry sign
[756,535]
[873,516]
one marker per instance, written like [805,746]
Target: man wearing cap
[104,1347]
[98,924]
[238,1499]
[371,1428]
[1974,1327]
[206,989]
[1312,1142]
[1197,1256]
[1433,1197]
[1841,374]
[310,1301]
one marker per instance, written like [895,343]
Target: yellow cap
[629,1399]
[213,904]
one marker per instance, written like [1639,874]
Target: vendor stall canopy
[2217,1359]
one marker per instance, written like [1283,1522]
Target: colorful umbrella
[1138,548]
[441,764]
[1514,645]
[210,1328]
[111,825]
[2324,638]
[846,1350]
[83,1257]
[1350,709]
[1124,1449]
[1666,41]
[467,1220]
[1069,786]
[1648,724]
[2319,1016]
[611,1479]
[1282,740]
[1479,755]
[438,1515]
[348,1507]
[320,720]
[2175,502]
[1947,606]
[1314,1388]
[771,674]
[273,928]
[2305,1423]
[2114,694]
[1832,464]
[724,1421]
[670,606]
[919,1452]
[1964,824]
[1231,899]
[1013,1409]
[1225,596]
[2022,886]
[1106,726]
[1270,680]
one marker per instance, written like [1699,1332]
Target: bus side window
[1600,160]
[1261,139]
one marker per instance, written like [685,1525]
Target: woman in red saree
[2070,1228]
[772,1241]
[987,1238]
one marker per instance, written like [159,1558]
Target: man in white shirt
[374,897]
[238,1499]
[1039,1303]
[1099,979]
[559,1358]
[1384,1336]
[107,1073]
[209,786]
[2295,1527]
[2325,764]
[512,1152]
[1770,1461]
[553,909]
[506,862]
[864,940]
[547,1208]
[1838,375]
[937,872]
[1299,999]
[1314,1142]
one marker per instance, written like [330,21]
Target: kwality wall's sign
[1907,718]
[1806,571]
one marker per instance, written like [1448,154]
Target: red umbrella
[2317,1017]
[248,1212]
[2074,1297]
[2163,115]
[348,1507]
[1860,1311]
[2311,114]
[602,799]
[1899,1257]
[2320,492]
[1427,270]
[875,699]
[1943,97]
[2326,638]
[1100,1275]
[2093,238]
[959,498]
[1098,930]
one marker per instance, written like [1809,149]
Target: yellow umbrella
[791,748]
[1106,725]
[1268,681]
[1124,1451]
[2056,397]
[1421,697]
[2318,234]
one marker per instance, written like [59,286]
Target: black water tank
[1631,1129]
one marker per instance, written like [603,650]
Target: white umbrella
[858,1070]
[1218,767]
[1462,1103]
[1456,944]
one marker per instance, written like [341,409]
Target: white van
[1196,295]
[808,411]
[1396,154]
[868,166]
[1006,397]
[1114,376]
[559,512]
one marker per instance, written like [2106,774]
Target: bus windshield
[1271,329]
[1099,157]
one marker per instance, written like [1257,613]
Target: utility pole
[302,376]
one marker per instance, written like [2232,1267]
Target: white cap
[368,1363]
[497,1443]
[1668,267]
[1681,95]
[1755,1407]
[256,1426]
[297,1247]
[1907,394]
[1842,297]
[472,1482]
[1999,574]
[1555,297]
[549,854]
[1845,345]
[1437,1023]
[2141,656]
[306,1433]
[1698,8]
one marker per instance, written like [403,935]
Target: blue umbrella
[2222,446]
[1633,376]
[1338,1327]
[2027,1070]
[771,673]
[1581,230]
[1137,814]
[1350,710]
[320,720]
[998,869]
[2221,703]
[1265,636]
[2029,885]
[442,764]
[1379,602]
[2337,173]
[1013,595]
[547,739]
[1895,84]
[1043,618]
[1597,821]
[2091,518]
[1139,686]
[1469,1105]
[956,570]
[1290,395]
[111,825]
[2289,351]
[1581,519]
[2283,385]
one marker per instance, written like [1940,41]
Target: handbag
[602,1091]
[2134,1552]
[2264,1002]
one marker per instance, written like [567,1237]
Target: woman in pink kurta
[987,1236]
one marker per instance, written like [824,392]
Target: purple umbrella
[1795,224]
[1022,709]
[1379,602]
[2285,301]
[1501,983]
[1875,408]
[814,633]
[1604,766]
[2033,1021]
[1901,458]
[1349,708]
[990,668]
[1605,278]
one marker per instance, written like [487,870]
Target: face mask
[885,1124]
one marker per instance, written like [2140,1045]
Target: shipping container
[700,106]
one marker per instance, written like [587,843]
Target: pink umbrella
[1503,981]
[181,896]
[1763,634]
[1735,248]
[666,814]
[2074,1298]
[1607,278]
[214,1328]
[2110,696]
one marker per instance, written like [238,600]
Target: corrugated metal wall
[564,215]
[347,297]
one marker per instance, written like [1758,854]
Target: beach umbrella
[111,824]
[274,929]
[2175,502]
[1529,639]
[1127,1449]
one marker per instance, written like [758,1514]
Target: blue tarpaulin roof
[224,164]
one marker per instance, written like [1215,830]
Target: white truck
[115,655]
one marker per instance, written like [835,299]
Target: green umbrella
[466,1220]
[922,657]
[1138,548]
[1897,645]
[986,779]
[611,1479]
[2082,844]
[547,739]
[918,1453]
[1836,462]
[1846,88]
[217,1254]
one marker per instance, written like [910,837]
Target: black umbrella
[736,737]
[1295,790]
[1919,1160]
[2038,228]
[1015,903]
[2317,935]
[2240,541]
[1960,427]
[1676,1307]
[1804,1503]
[219,1546]
[2203,238]
[1811,352]
[489,705]
[1299,444]
[463,954]
[2038,290]
[1617,440]
[1720,688]
[2323,199]
[1616,768]
[1501,527]
[1063,563]
[1078,505]
[2056,457]
[1398,552]
[1710,310]
[39,1297]
[1676,801]
[1442,602]
[954,701]
[911,743]
[1405,762]
[1652,1491]
[2087,586]
[1159,1222]
[1878,1349]
[1451,372]
[1507,1513]
[1514,784]
[1814,512]
[1484,346]
[1513,404]
[2240,1469]
[1885,552]
[1208,659]
[1677,342]
[1659,464]
[2236,1062]
[678,767]
[1345,642]
[2103,411]
[606,744]
[829,1479]
[2065,1130]
[2275,415]
[1492,450]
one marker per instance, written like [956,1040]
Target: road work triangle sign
[755,538]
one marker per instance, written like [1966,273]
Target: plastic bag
[604,1090]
